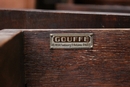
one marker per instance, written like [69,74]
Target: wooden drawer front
[107,64]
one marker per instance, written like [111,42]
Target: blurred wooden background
[19,4]
[102,2]
[51,4]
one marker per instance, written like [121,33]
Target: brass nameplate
[71,40]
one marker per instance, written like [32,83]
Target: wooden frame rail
[42,19]
[11,58]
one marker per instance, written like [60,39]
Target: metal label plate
[71,40]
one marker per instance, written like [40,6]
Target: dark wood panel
[106,65]
[11,59]
[61,19]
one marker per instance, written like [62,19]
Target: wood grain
[41,19]
[106,65]
[11,59]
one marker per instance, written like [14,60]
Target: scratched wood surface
[107,64]
[11,59]
[42,19]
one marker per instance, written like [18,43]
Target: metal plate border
[90,44]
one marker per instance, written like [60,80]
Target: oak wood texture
[11,59]
[42,19]
[107,64]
